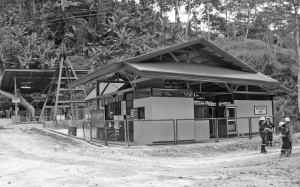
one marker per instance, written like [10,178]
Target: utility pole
[208,21]
[188,20]
[176,11]
[62,5]
[33,6]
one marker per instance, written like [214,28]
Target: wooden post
[16,104]
[272,99]
[247,91]
[200,87]
[98,94]
[232,94]
[58,88]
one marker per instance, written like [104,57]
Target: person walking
[289,125]
[263,130]
[285,140]
[271,127]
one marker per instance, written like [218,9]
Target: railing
[170,131]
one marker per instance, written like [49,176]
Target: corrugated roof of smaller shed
[36,79]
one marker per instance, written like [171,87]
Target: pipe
[23,102]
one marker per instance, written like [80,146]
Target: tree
[291,18]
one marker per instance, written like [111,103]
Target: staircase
[24,119]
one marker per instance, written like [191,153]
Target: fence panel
[205,129]
[112,132]
[185,130]
[151,131]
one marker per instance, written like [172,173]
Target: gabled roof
[196,60]
[208,49]
[199,50]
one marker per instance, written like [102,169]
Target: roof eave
[104,71]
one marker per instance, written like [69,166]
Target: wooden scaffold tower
[61,98]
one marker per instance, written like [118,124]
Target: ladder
[72,94]
[64,74]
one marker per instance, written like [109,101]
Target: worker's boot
[261,149]
[288,153]
[265,149]
[271,144]
[282,153]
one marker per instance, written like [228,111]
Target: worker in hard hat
[285,139]
[287,121]
[271,127]
[263,130]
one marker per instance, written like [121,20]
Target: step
[71,101]
[23,119]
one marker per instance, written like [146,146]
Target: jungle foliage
[97,32]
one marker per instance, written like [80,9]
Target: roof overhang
[28,80]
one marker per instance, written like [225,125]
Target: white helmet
[287,119]
[262,119]
[280,124]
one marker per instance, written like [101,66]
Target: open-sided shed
[177,82]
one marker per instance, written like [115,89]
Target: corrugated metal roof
[201,41]
[139,59]
[188,71]
[37,79]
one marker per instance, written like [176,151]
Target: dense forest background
[263,33]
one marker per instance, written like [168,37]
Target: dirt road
[30,159]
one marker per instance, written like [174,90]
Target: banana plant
[44,50]
[26,58]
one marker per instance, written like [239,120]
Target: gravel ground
[31,158]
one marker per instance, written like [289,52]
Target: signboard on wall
[260,110]
[16,100]
[123,107]
[134,113]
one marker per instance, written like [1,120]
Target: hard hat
[262,119]
[268,117]
[111,112]
[287,119]
[281,123]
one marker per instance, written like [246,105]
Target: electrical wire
[80,16]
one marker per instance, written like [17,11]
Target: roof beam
[227,87]
[129,79]
[30,70]
[254,93]
[174,57]
[236,88]
[202,53]
[183,51]
[108,81]
[140,80]
[268,90]
[104,88]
